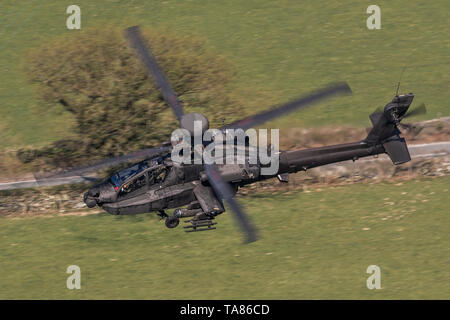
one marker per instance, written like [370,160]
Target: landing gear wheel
[178,213]
[172,222]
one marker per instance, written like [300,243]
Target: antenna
[398,85]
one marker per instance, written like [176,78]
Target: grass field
[281,49]
[315,244]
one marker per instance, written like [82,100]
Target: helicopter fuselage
[143,192]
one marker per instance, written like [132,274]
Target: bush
[96,77]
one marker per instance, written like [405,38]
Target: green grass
[314,245]
[282,49]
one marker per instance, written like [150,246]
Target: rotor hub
[194,122]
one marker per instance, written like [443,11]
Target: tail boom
[298,160]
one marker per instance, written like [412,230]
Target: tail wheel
[172,222]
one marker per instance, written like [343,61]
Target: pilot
[161,174]
[124,188]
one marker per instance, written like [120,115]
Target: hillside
[280,50]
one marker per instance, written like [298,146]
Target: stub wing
[208,200]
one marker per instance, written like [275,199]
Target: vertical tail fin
[385,131]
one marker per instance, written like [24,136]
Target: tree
[95,75]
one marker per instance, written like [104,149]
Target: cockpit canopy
[123,175]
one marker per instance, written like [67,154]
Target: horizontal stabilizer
[397,150]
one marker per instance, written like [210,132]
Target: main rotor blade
[50,182]
[378,110]
[223,190]
[103,164]
[405,126]
[134,37]
[255,120]
[421,109]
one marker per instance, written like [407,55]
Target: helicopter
[197,190]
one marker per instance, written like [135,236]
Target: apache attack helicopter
[158,183]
